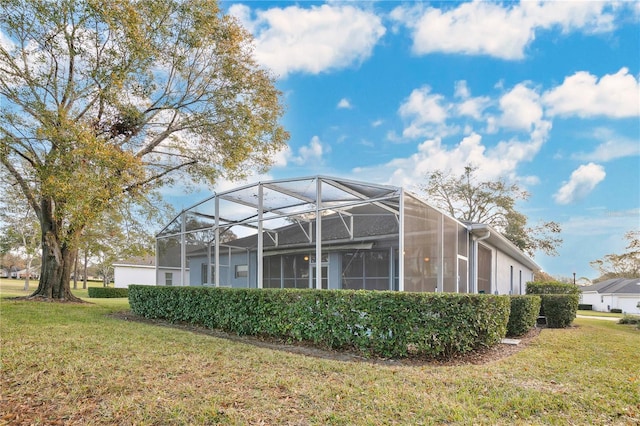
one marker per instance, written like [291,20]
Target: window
[168,278]
[203,273]
[366,270]
[242,271]
[511,280]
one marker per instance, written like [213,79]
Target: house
[616,293]
[331,233]
[142,270]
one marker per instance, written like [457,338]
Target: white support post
[318,234]
[259,276]
[216,268]
[401,244]
[183,248]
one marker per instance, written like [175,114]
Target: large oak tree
[470,199]
[104,101]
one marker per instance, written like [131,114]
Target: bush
[584,307]
[107,292]
[561,298]
[524,313]
[560,309]
[381,323]
[551,287]
[615,311]
[629,319]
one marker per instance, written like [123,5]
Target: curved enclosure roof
[279,201]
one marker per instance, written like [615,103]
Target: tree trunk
[84,274]
[75,271]
[57,261]
[27,275]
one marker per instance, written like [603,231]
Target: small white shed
[134,272]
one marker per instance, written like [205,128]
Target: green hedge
[552,287]
[386,324]
[107,292]
[585,307]
[560,309]
[524,312]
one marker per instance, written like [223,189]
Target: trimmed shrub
[107,292]
[524,313]
[556,318]
[629,319]
[552,287]
[560,309]
[615,310]
[584,307]
[381,323]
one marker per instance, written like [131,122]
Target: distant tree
[19,228]
[469,199]
[105,101]
[541,277]
[625,265]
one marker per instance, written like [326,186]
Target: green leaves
[385,324]
[524,313]
[469,199]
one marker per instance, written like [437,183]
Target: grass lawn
[599,314]
[75,364]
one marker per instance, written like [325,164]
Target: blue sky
[546,95]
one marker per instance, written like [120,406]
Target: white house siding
[595,300]
[606,302]
[123,275]
[171,276]
[628,304]
[511,276]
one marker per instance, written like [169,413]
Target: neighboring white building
[617,293]
[143,271]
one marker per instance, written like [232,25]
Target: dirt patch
[478,357]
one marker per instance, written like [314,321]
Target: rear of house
[372,237]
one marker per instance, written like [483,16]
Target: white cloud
[582,181]
[6,43]
[501,31]
[311,154]
[311,40]
[377,123]
[521,108]
[469,106]
[583,95]
[344,104]
[500,161]
[612,147]
[424,112]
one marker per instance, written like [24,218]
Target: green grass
[15,288]
[599,314]
[74,364]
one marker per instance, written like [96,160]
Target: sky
[545,95]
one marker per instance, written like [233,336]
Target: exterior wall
[628,304]
[510,276]
[174,273]
[606,302]
[123,275]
